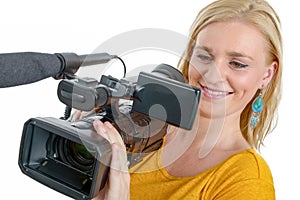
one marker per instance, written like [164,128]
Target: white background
[80,27]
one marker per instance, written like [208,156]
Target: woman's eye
[237,64]
[205,58]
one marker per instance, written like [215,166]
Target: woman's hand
[118,183]
[77,114]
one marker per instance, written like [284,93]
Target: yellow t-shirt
[244,175]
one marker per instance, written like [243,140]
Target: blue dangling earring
[257,106]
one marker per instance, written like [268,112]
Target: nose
[215,73]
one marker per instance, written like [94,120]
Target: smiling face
[229,64]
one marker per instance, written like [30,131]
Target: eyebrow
[232,54]
[237,54]
[207,49]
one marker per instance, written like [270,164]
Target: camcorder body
[70,157]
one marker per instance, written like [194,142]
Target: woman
[235,57]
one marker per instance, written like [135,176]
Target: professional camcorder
[69,157]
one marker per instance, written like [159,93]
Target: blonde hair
[260,14]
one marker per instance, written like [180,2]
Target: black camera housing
[38,160]
[57,152]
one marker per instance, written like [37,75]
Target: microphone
[28,67]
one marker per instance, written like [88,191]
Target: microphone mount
[70,63]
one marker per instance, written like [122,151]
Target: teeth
[215,93]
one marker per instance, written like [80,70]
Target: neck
[208,134]
[219,133]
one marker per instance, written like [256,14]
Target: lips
[214,93]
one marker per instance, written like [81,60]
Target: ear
[269,73]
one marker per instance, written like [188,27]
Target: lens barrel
[74,154]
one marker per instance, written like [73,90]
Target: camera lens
[80,154]
[74,154]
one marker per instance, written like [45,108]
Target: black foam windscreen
[27,67]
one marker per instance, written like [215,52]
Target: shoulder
[251,162]
[244,174]
[247,164]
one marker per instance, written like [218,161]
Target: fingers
[77,114]
[119,155]
[119,179]
[108,131]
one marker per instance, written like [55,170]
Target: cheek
[240,82]
[194,75]
[244,85]
[196,70]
